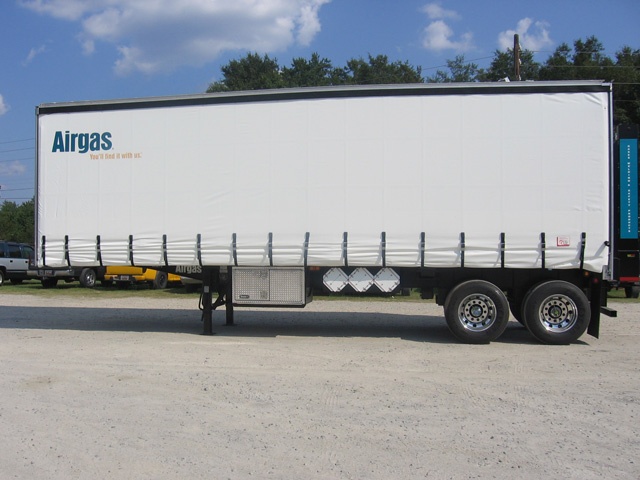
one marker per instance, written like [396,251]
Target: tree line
[585,60]
[17,222]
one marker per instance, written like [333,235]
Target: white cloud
[64,9]
[309,23]
[161,35]
[438,35]
[534,35]
[33,53]
[435,12]
[12,168]
[4,108]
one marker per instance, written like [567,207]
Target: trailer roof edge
[342,91]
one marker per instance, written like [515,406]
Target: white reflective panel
[387,280]
[361,280]
[335,280]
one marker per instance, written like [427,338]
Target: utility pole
[516,57]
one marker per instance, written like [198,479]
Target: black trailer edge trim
[199,249]
[66,250]
[98,250]
[131,251]
[234,246]
[383,247]
[305,252]
[43,251]
[164,250]
[345,243]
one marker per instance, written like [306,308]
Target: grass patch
[618,295]
[74,289]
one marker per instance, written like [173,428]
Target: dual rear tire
[555,312]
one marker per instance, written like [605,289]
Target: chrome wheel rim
[558,313]
[477,312]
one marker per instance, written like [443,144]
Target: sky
[68,50]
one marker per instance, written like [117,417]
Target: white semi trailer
[489,197]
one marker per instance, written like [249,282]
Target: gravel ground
[129,389]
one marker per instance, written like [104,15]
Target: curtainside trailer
[492,198]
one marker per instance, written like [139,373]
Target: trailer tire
[476,311]
[88,278]
[556,312]
[161,281]
[632,292]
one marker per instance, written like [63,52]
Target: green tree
[252,72]
[626,98]
[378,70]
[459,71]
[558,62]
[17,221]
[308,73]
[588,53]
[585,62]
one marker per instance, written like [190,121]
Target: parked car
[87,276]
[14,262]
[125,276]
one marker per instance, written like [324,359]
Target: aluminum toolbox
[269,286]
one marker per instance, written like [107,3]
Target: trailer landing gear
[219,280]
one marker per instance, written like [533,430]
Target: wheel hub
[477,312]
[558,313]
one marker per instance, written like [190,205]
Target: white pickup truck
[14,262]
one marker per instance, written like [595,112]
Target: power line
[466,62]
[17,150]
[17,141]
[591,66]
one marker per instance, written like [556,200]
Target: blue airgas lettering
[81,142]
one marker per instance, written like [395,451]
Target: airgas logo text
[81,142]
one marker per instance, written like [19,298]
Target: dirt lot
[128,388]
